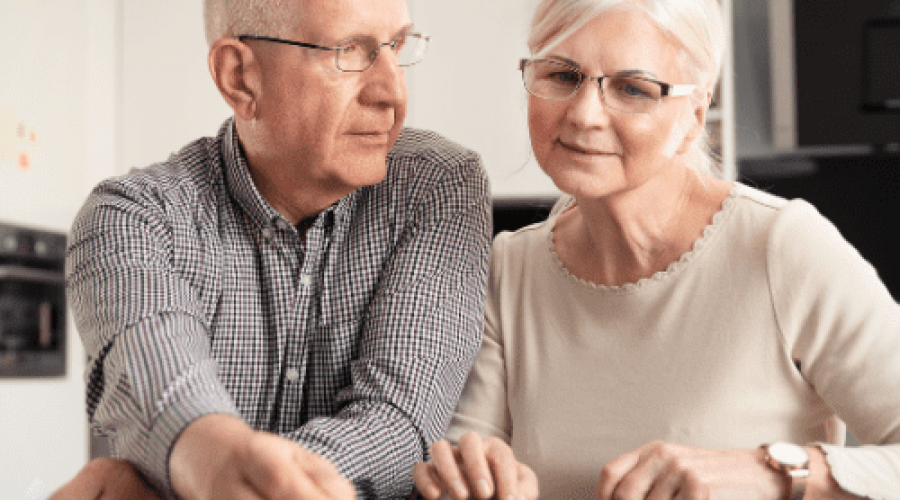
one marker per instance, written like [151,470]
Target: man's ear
[237,74]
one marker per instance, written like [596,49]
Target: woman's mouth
[581,149]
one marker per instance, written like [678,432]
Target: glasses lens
[356,54]
[631,95]
[410,49]
[551,80]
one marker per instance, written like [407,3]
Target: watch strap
[796,476]
[797,479]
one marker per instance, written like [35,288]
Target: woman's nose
[586,107]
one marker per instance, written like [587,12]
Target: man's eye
[351,47]
[398,43]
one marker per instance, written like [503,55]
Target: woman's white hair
[229,18]
[696,25]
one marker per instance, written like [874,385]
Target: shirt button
[268,233]
[292,374]
[305,279]
[283,225]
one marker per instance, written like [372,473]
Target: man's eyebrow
[405,30]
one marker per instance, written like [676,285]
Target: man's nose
[386,86]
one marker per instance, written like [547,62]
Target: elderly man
[292,306]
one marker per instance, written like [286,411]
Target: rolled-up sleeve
[144,328]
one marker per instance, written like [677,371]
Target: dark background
[830,72]
[860,195]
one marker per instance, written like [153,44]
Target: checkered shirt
[193,296]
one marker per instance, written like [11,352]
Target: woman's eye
[633,91]
[564,77]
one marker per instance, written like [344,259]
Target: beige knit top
[769,329]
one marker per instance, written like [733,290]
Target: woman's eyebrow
[626,72]
[564,60]
[637,72]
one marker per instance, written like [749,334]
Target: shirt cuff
[867,471]
[171,421]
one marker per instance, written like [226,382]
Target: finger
[504,467]
[691,487]
[613,473]
[83,485]
[269,467]
[241,489]
[427,482]
[324,474]
[475,465]
[131,485]
[653,463]
[445,462]
[528,482]
[692,494]
[665,487]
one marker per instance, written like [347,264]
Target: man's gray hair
[229,18]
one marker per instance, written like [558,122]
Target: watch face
[789,454]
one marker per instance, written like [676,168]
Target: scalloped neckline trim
[708,232]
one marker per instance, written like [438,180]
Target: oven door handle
[31,275]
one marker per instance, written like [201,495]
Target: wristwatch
[792,461]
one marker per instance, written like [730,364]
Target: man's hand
[477,468]
[221,457]
[107,479]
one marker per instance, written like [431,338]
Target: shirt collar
[242,189]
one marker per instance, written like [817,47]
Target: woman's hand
[476,468]
[664,471]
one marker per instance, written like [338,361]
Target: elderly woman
[665,334]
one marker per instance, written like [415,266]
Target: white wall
[56,77]
[108,85]
[753,95]
[467,88]
[168,96]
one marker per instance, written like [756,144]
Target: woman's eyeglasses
[559,81]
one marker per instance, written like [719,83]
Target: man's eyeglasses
[559,81]
[359,53]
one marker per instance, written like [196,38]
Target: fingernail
[460,489]
[484,489]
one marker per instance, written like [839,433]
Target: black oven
[32,302]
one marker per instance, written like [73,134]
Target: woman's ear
[237,74]
[696,124]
